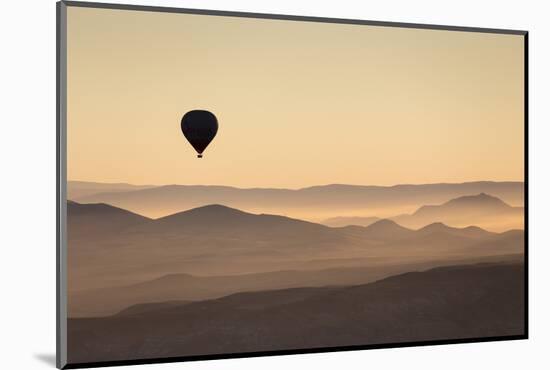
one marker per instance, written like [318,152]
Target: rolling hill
[219,221]
[183,287]
[211,240]
[454,302]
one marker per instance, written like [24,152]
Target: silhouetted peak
[211,212]
[215,208]
[386,226]
[481,198]
[434,227]
[474,228]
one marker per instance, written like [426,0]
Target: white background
[27,135]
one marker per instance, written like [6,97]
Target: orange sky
[298,103]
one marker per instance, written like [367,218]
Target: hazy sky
[298,103]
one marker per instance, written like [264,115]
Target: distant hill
[482,204]
[382,230]
[98,220]
[482,210]
[315,203]
[469,231]
[79,189]
[219,221]
[457,302]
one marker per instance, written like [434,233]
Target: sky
[298,103]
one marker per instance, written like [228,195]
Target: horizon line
[298,188]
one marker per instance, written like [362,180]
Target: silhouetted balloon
[199,128]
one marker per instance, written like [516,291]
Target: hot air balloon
[199,128]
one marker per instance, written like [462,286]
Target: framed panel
[236,184]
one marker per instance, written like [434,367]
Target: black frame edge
[526,175]
[290,352]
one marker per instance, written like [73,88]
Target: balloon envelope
[199,128]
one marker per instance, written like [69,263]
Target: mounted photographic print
[236,184]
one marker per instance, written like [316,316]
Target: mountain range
[191,270]
[118,254]
[482,210]
[313,203]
